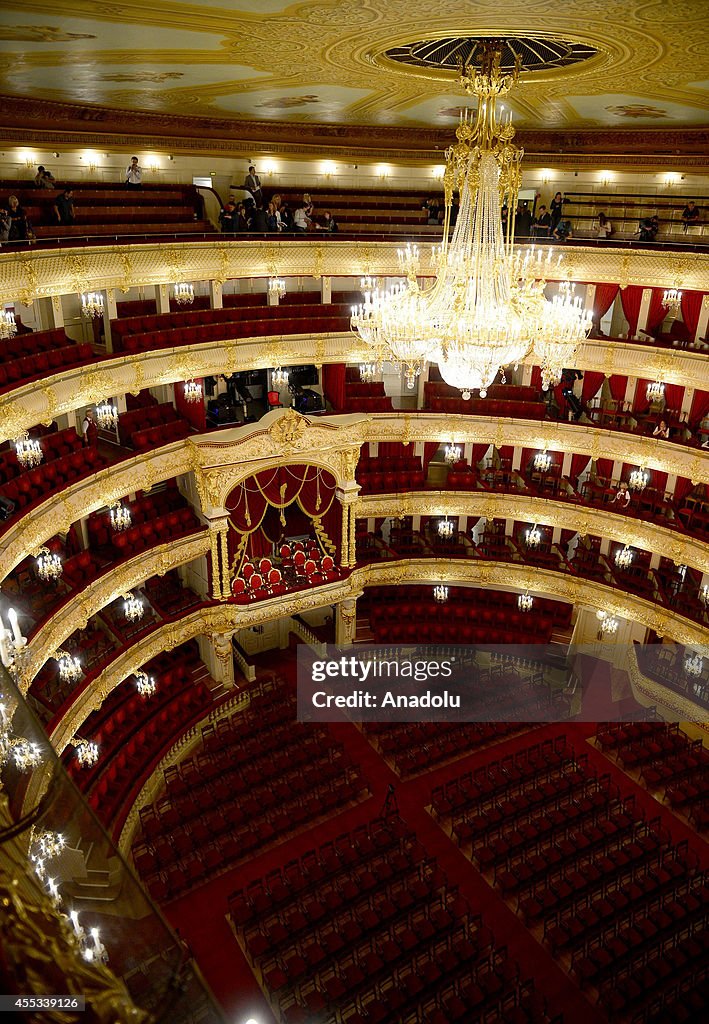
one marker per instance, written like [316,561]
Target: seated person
[328,223]
[662,431]
[5,224]
[605,228]
[44,178]
[64,207]
[541,226]
[563,230]
[622,496]
[648,228]
[301,220]
[19,224]
[227,217]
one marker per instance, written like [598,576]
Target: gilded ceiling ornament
[288,430]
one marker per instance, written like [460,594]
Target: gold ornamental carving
[287,432]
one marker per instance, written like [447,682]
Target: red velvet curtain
[536,379]
[395,449]
[631,297]
[429,450]
[603,299]
[618,384]
[478,453]
[691,308]
[311,487]
[699,409]
[604,468]
[194,412]
[333,385]
[592,384]
[683,487]
[674,396]
[640,402]
[578,466]
[658,480]
[657,312]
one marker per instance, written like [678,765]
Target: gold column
[224,543]
[214,550]
[345,543]
[352,547]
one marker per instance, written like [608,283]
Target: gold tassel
[284,488]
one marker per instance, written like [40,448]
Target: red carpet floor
[201,918]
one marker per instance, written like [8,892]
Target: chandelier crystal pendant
[624,557]
[69,666]
[486,308]
[440,593]
[276,288]
[8,327]
[446,528]
[672,299]
[608,623]
[525,602]
[92,304]
[48,564]
[120,516]
[28,451]
[542,461]
[693,665]
[107,416]
[87,751]
[145,684]
[192,392]
[638,479]
[452,454]
[132,607]
[17,750]
[279,378]
[184,293]
[655,391]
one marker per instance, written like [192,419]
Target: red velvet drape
[691,308]
[395,450]
[536,379]
[478,453]
[631,297]
[333,385]
[699,409]
[657,312]
[429,450]
[618,384]
[578,466]
[194,412]
[592,384]
[683,487]
[674,396]
[312,488]
[603,299]
[604,468]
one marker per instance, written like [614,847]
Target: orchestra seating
[165,330]
[367,927]
[616,897]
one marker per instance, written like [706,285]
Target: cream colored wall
[291,174]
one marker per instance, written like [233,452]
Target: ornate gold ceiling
[323,61]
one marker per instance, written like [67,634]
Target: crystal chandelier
[28,451]
[145,684]
[279,378]
[92,304]
[92,951]
[608,624]
[440,594]
[486,308]
[693,665]
[107,416]
[69,666]
[704,594]
[192,392]
[184,294]
[452,454]
[446,528]
[673,300]
[542,461]
[276,288]
[132,607]
[533,536]
[638,479]
[86,751]
[8,327]
[48,564]
[655,391]
[366,372]
[13,645]
[45,845]
[120,516]
[624,557]
[525,602]
[15,750]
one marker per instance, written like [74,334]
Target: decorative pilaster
[346,622]
[216,571]
[224,547]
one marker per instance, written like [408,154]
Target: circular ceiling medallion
[536,53]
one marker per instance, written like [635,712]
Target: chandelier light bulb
[279,378]
[624,557]
[192,392]
[542,461]
[672,299]
[69,666]
[655,391]
[704,593]
[120,516]
[366,372]
[608,623]
[184,293]
[452,454]
[276,288]
[92,304]
[440,593]
[638,479]
[693,665]
[525,602]
[533,536]
[87,752]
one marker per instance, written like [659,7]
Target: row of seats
[488,407]
[388,475]
[161,530]
[52,476]
[141,419]
[165,433]
[54,445]
[30,343]
[393,603]
[30,367]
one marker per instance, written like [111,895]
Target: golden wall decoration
[47,272]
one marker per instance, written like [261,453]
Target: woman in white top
[605,228]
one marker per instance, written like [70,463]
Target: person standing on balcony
[252,183]
[541,227]
[64,207]
[690,215]
[89,429]
[555,209]
[605,228]
[134,174]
